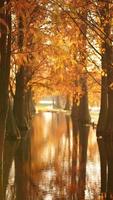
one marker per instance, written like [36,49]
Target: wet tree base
[23,128]
[21,133]
[12,137]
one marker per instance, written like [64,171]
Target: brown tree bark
[109,130]
[19,101]
[22,97]
[12,131]
[105,117]
[5,50]
[81,116]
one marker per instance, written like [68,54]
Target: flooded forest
[56,100]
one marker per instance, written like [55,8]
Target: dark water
[53,163]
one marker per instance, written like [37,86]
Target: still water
[52,162]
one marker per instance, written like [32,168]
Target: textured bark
[12,131]
[83,108]
[81,118]
[109,133]
[105,118]
[22,97]
[80,125]
[19,101]
[5,50]
[67,106]
[101,125]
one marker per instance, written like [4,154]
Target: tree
[5,50]
[103,127]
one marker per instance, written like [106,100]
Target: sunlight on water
[53,158]
[57,161]
[10,188]
[46,137]
[92,168]
[48,197]
[48,153]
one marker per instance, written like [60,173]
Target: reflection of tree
[83,142]
[75,129]
[68,139]
[22,168]
[9,153]
[80,123]
[79,159]
[74,163]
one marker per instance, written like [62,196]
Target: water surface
[53,163]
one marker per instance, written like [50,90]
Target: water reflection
[63,156]
[17,162]
[22,170]
[8,169]
[54,163]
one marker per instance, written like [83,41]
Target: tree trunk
[104,107]
[5,50]
[12,131]
[80,125]
[100,132]
[67,105]
[19,101]
[83,108]
[109,134]
[82,115]
[22,97]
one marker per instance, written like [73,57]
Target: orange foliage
[55,44]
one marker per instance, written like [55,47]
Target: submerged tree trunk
[104,141]
[5,50]
[83,108]
[100,132]
[101,125]
[80,125]
[67,105]
[23,105]
[82,114]
[12,131]
[84,125]
[19,101]
[109,134]
[22,99]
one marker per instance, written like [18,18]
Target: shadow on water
[52,163]
[22,170]
[17,159]
[79,160]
